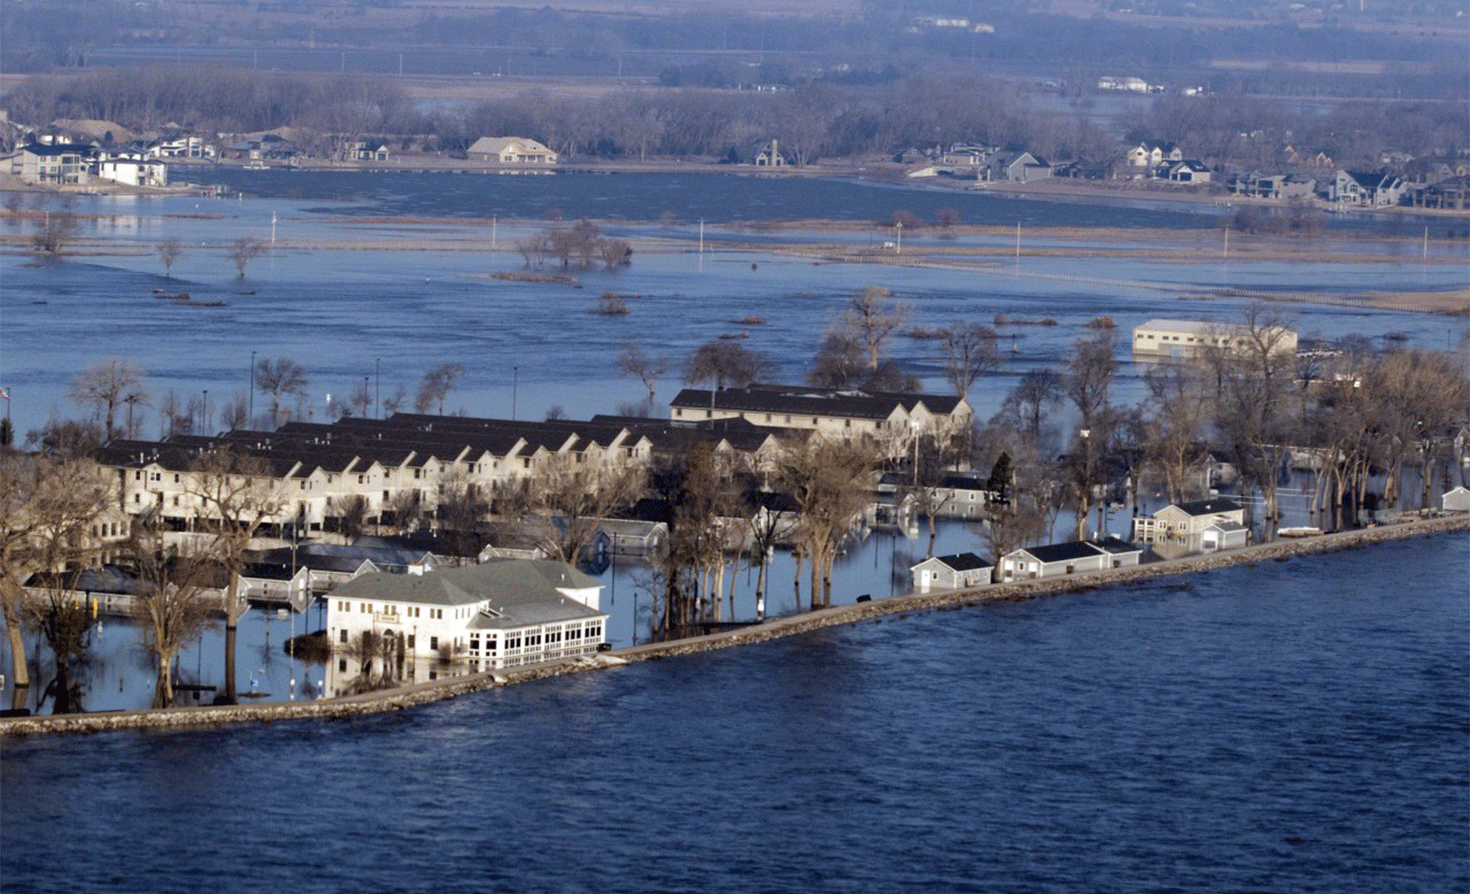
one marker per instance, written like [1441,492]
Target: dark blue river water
[1252,729]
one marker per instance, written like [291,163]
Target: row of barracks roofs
[410,457]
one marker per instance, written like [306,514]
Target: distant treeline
[813,120]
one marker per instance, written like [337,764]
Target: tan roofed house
[511,151]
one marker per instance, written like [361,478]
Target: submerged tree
[633,361]
[243,251]
[279,377]
[173,607]
[106,386]
[828,480]
[234,495]
[48,508]
[435,388]
[722,363]
[969,353]
[169,252]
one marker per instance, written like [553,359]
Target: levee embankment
[791,625]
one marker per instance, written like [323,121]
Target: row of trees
[116,394]
[815,119]
[1356,418]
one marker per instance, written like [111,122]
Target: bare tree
[828,481]
[235,411]
[437,384]
[107,385]
[394,402]
[969,353]
[722,363]
[244,250]
[47,510]
[279,377]
[57,231]
[1178,409]
[361,399]
[567,498]
[173,609]
[632,361]
[1026,404]
[234,496]
[169,252]
[1087,384]
[870,319]
[1250,380]
[839,363]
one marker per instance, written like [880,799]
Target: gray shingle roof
[511,585]
[1212,506]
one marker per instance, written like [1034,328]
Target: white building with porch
[503,613]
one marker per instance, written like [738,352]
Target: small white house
[1457,500]
[1060,559]
[951,572]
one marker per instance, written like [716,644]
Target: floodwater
[1251,729]
[390,311]
[359,294]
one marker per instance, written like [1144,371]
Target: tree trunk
[815,597]
[760,587]
[62,702]
[19,671]
[796,578]
[229,696]
[163,685]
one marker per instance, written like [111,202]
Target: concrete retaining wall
[424,693]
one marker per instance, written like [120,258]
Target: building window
[433,643]
[410,640]
[344,634]
[342,665]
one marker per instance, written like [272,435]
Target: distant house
[1082,169]
[1449,194]
[130,168]
[1147,158]
[54,164]
[182,147]
[363,150]
[1367,189]
[1123,84]
[1272,186]
[511,151]
[1189,339]
[1197,526]
[1061,559]
[951,572]
[1189,170]
[1018,167]
[769,155]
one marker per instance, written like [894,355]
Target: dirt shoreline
[181,719]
